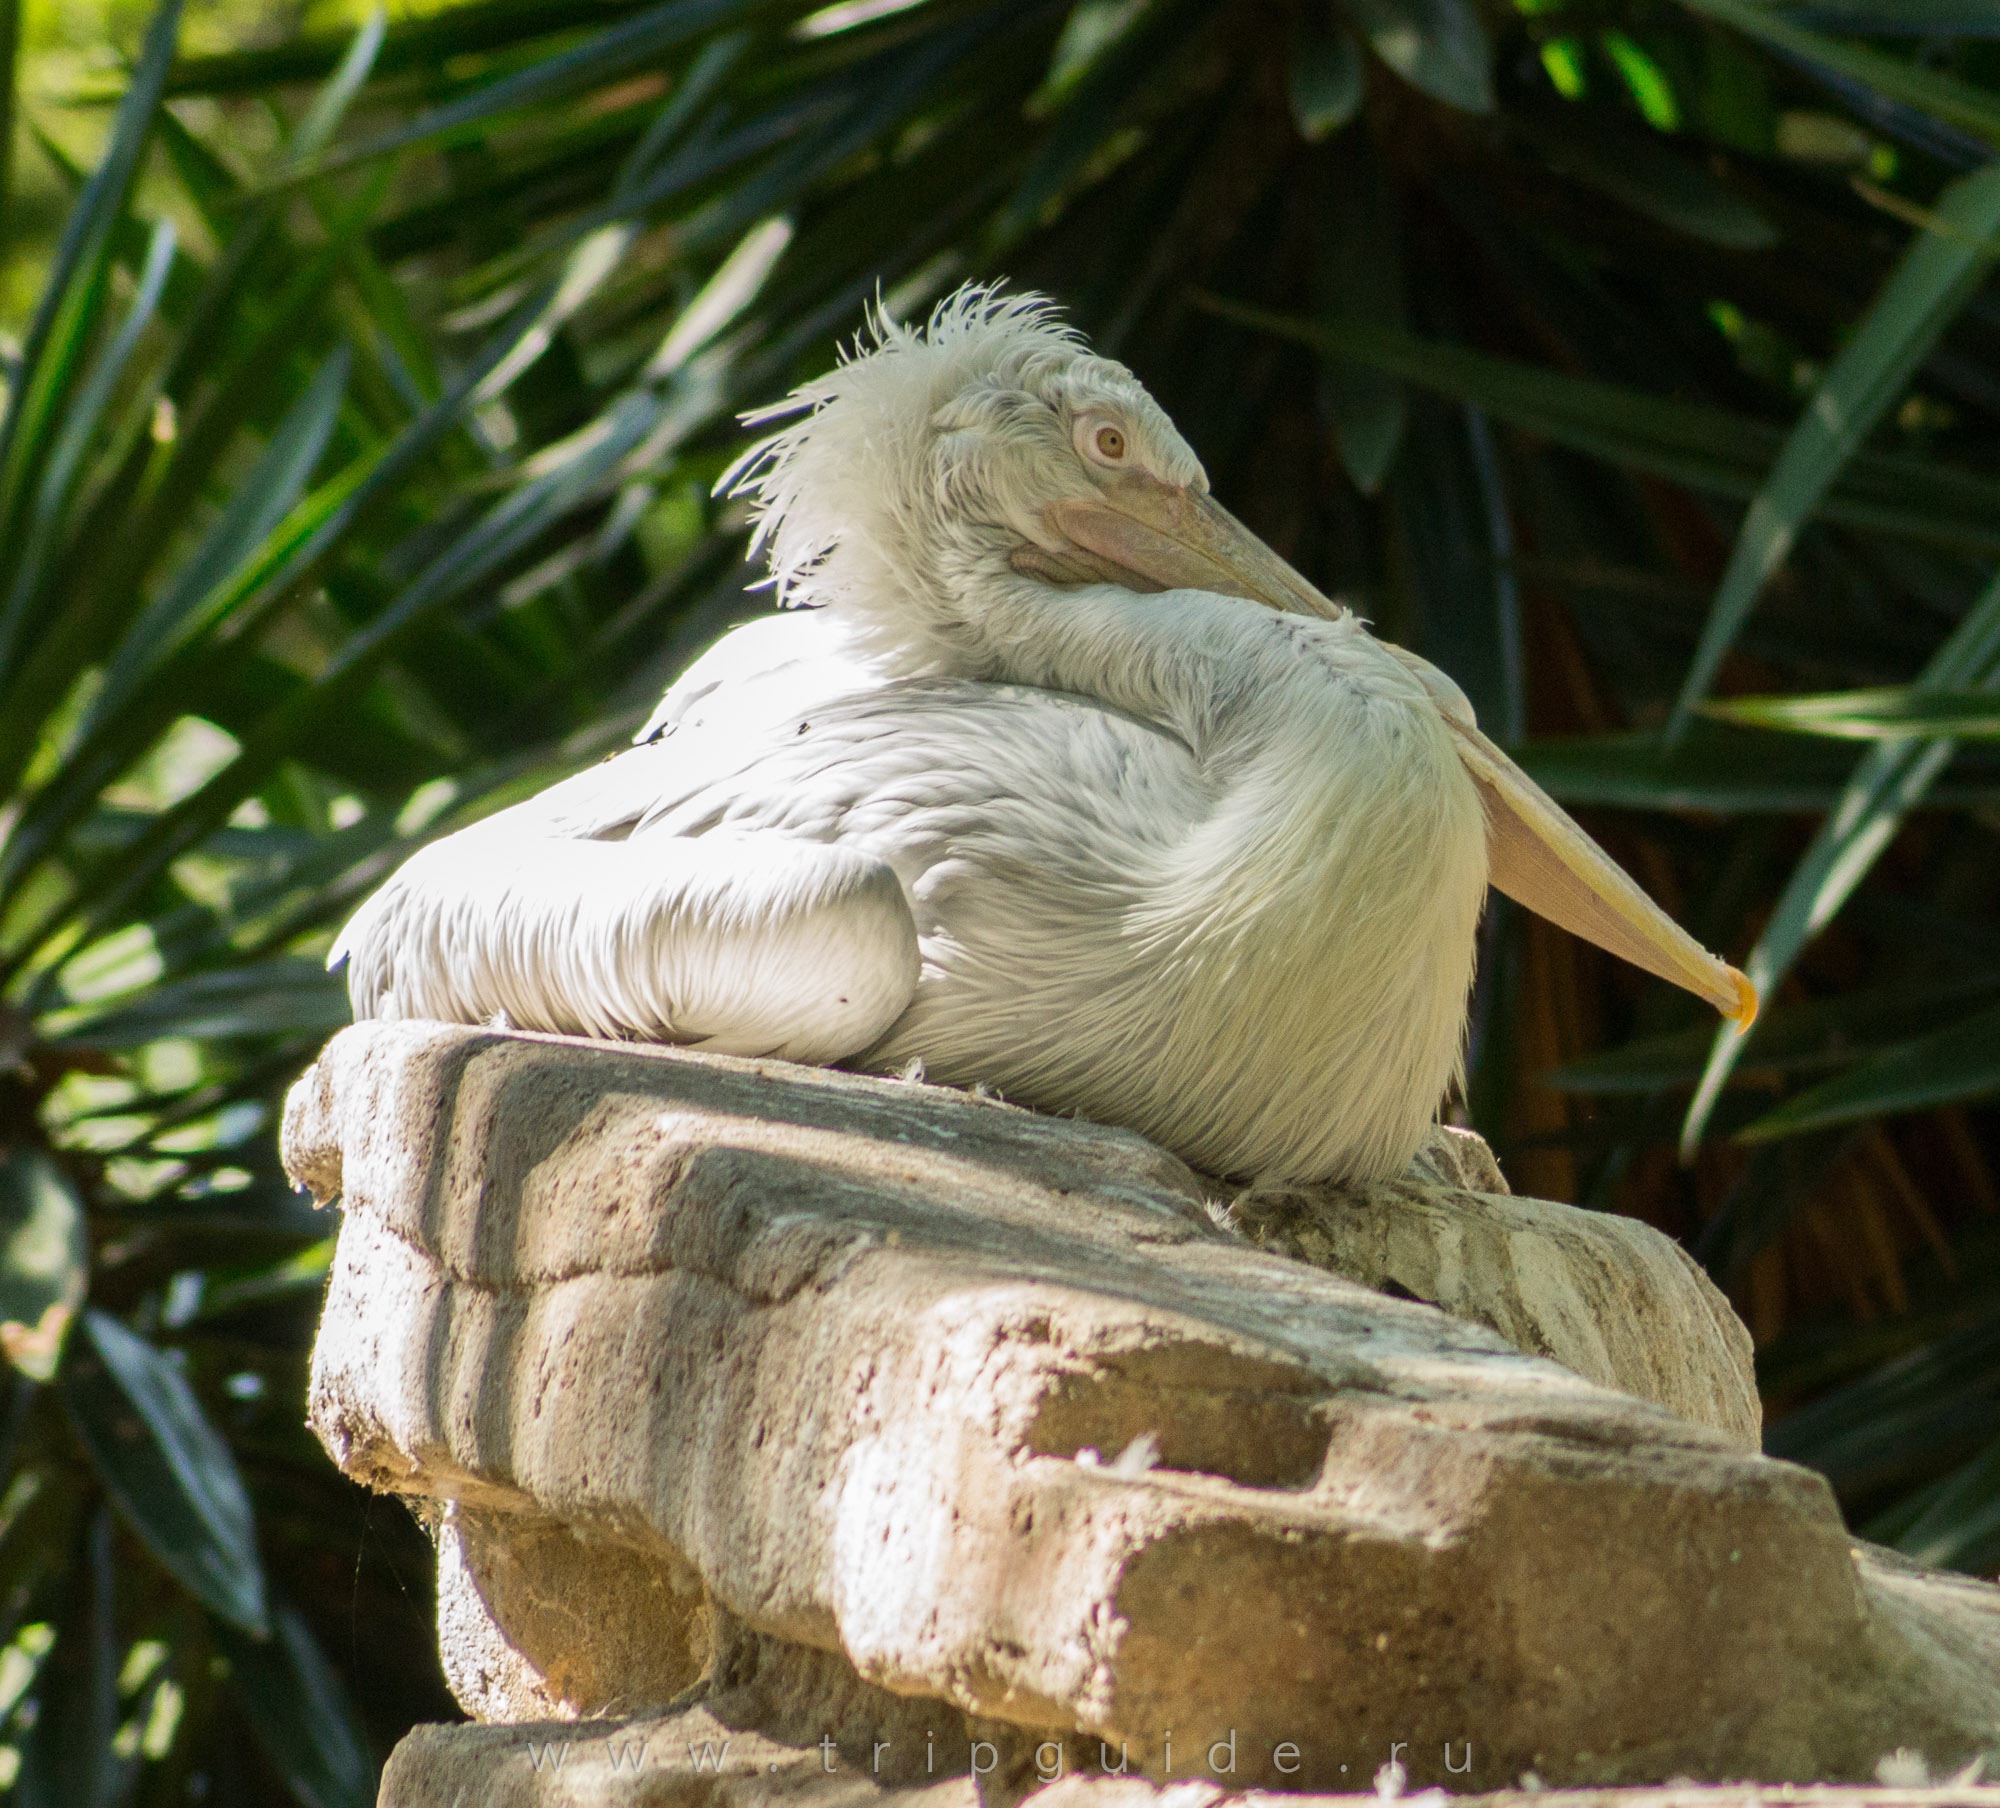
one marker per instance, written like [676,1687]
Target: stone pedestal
[842,1414]
[700,1758]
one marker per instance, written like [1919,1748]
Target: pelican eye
[1110,444]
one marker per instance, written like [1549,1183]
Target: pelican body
[1053,779]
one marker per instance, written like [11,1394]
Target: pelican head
[934,470]
[931,465]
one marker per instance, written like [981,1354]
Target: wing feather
[745,944]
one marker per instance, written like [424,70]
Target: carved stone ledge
[942,1409]
[1607,1297]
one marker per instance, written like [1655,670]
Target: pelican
[1052,777]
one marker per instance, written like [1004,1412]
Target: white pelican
[1062,782]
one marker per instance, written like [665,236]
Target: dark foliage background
[1636,360]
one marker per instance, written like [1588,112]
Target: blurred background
[366,378]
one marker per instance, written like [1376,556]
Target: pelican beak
[1148,535]
[1179,539]
[1538,856]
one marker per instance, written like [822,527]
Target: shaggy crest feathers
[925,457]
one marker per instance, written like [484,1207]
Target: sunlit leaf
[322,119]
[43,1261]
[59,336]
[283,558]
[40,524]
[727,293]
[292,551]
[1889,713]
[10,53]
[420,41]
[609,54]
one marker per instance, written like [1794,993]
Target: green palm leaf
[1889,781]
[170,1472]
[1933,91]
[1953,1065]
[1934,281]
[1705,448]
[1888,713]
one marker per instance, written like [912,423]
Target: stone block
[989,1413]
[1608,1297]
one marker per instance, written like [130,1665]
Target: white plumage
[1060,782]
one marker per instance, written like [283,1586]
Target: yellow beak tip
[1745,1013]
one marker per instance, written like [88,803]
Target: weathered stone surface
[1609,1297]
[986,1410]
[538,1623]
[688,1760]
[1101,1792]
[703,1758]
